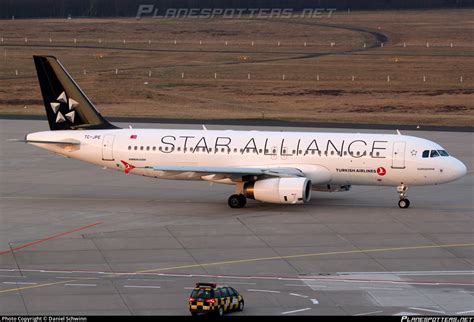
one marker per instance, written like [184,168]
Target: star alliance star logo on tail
[56,107]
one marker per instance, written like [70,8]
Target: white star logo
[55,106]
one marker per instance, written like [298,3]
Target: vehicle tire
[241,306]
[220,311]
[404,203]
[234,201]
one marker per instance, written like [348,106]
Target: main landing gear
[402,192]
[237,201]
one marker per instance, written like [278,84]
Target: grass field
[132,67]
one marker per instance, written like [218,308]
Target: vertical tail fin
[67,107]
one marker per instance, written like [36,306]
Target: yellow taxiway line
[305,255]
[34,286]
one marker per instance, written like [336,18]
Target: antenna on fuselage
[398,132]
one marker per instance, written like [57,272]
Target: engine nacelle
[279,190]
[332,188]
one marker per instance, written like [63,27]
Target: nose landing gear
[402,192]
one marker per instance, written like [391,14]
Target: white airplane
[273,167]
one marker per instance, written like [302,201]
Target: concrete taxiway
[77,239]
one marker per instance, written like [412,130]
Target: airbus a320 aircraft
[273,167]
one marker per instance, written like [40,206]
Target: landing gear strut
[237,201]
[402,192]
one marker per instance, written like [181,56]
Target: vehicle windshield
[202,294]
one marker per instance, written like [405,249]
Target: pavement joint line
[465,312]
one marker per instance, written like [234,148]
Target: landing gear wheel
[404,203]
[237,201]
[402,193]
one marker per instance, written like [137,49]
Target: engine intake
[279,190]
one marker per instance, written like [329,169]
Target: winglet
[128,166]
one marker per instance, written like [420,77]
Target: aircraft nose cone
[459,169]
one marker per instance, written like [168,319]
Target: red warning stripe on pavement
[51,238]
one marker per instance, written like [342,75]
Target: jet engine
[279,190]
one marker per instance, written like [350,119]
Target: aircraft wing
[217,173]
[70,142]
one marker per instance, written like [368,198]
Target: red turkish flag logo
[128,166]
[381,171]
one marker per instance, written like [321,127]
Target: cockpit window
[443,153]
[435,153]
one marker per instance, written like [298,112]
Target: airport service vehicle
[273,167]
[209,298]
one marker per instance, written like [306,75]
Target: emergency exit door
[398,155]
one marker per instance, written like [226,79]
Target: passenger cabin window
[434,154]
[426,153]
